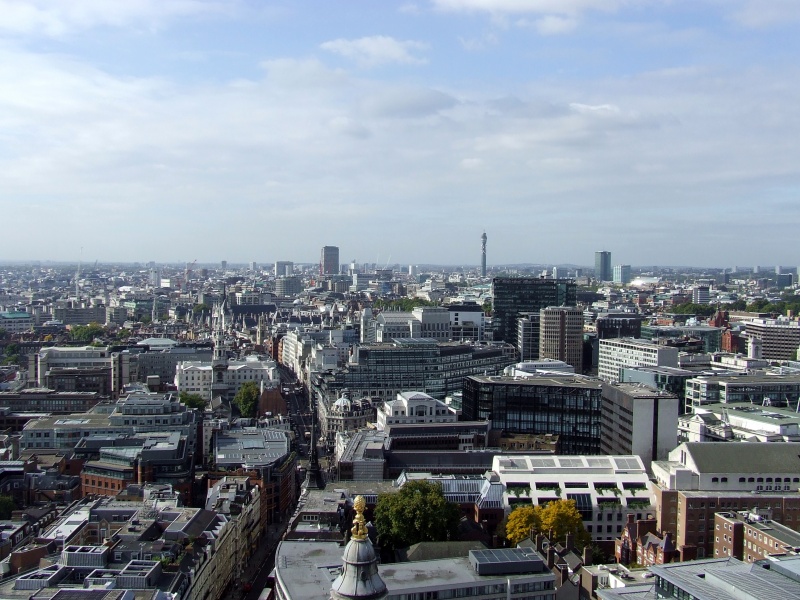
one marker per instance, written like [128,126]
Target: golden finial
[359,530]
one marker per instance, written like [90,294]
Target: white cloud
[304,147]
[407,102]
[410,9]
[758,14]
[479,43]
[57,18]
[553,25]
[546,7]
[377,50]
[470,164]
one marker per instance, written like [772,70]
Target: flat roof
[567,380]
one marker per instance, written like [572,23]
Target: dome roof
[343,404]
[359,577]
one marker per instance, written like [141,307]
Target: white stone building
[415,407]
[617,353]
[605,488]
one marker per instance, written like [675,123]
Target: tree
[201,308]
[6,507]
[558,517]
[192,400]
[246,399]
[11,355]
[688,308]
[87,333]
[419,512]
[562,517]
[520,522]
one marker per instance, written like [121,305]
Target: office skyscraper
[483,255]
[329,260]
[561,335]
[602,265]
[622,274]
[515,295]
[284,268]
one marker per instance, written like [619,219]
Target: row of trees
[559,517]
[246,399]
[789,302]
[419,512]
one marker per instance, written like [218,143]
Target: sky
[664,131]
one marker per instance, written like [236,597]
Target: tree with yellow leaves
[559,517]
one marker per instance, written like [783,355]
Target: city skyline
[187,129]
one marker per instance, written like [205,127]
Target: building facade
[515,295]
[561,335]
[329,260]
[602,265]
[615,354]
[780,338]
[640,420]
[568,406]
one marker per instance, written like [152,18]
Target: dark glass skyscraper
[329,260]
[516,295]
[569,407]
[602,265]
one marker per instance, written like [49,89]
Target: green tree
[688,308]
[758,305]
[738,305]
[418,512]
[558,518]
[87,333]
[7,505]
[246,399]
[192,400]
[201,308]
[123,334]
[2,333]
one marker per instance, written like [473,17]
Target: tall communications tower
[483,255]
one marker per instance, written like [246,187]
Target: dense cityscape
[399,300]
[209,431]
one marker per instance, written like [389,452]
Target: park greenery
[246,399]
[788,302]
[689,308]
[201,309]
[86,333]
[7,506]
[419,512]
[558,518]
[10,355]
[192,400]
